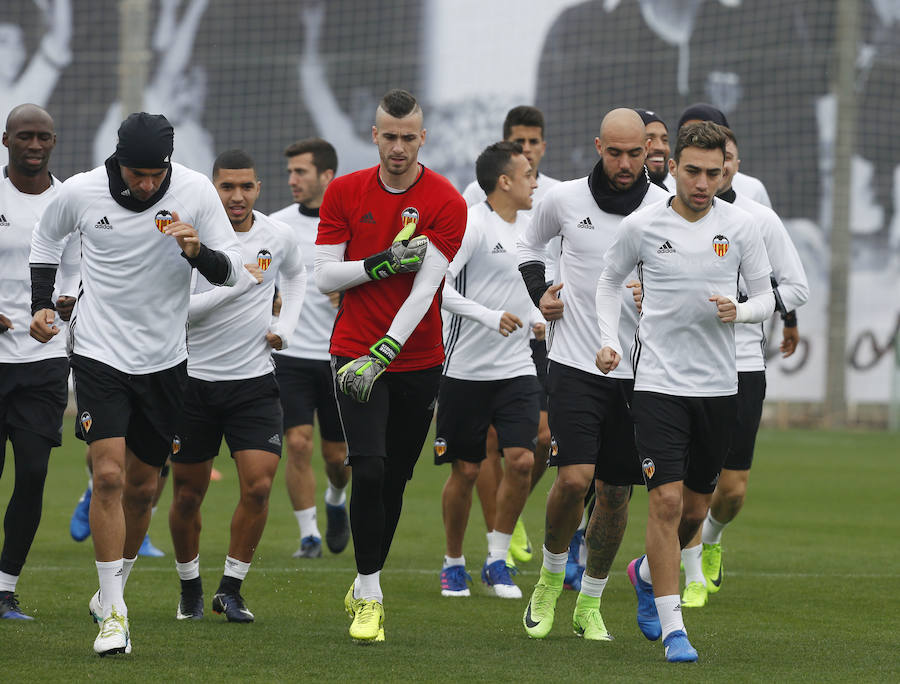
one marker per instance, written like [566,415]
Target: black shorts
[394,423]
[307,389]
[750,396]
[466,408]
[683,438]
[591,424]
[33,397]
[539,357]
[141,408]
[246,412]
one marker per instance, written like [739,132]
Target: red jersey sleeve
[334,224]
[447,230]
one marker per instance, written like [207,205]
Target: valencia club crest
[720,245]
[163,219]
[264,259]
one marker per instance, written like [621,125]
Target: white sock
[8,582]
[368,587]
[189,570]
[712,530]
[450,562]
[127,565]
[335,496]
[644,571]
[235,568]
[693,571]
[555,562]
[498,546]
[591,586]
[669,609]
[110,575]
[307,521]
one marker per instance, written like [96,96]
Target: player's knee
[666,504]
[519,462]
[612,497]
[543,438]
[466,471]
[109,480]
[256,492]
[140,494]
[299,445]
[186,499]
[572,484]
[334,453]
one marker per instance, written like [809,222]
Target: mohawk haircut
[399,103]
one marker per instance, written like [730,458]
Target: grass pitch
[810,593]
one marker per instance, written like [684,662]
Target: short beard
[658,178]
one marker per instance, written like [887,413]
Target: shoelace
[457,573]
[12,602]
[367,613]
[113,624]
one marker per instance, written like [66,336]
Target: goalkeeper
[386,237]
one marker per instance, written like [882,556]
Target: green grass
[810,594]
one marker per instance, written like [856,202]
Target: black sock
[192,587]
[229,585]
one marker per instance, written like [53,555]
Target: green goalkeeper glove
[404,256]
[356,378]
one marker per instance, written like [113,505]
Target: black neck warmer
[122,195]
[306,211]
[621,202]
[729,196]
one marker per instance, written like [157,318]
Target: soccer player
[33,377]
[523,125]
[144,223]
[589,415]
[232,389]
[303,370]
[386,237]
[690,250]
[489,381]
[658,154]
[748,186]
[703,564]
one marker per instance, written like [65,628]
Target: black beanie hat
[703,112]
[145,141]
[649,117]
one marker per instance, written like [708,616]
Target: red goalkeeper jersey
[359,210]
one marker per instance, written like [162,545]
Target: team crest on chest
[163,219]
[264,259]
[409,221]
[720,245]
